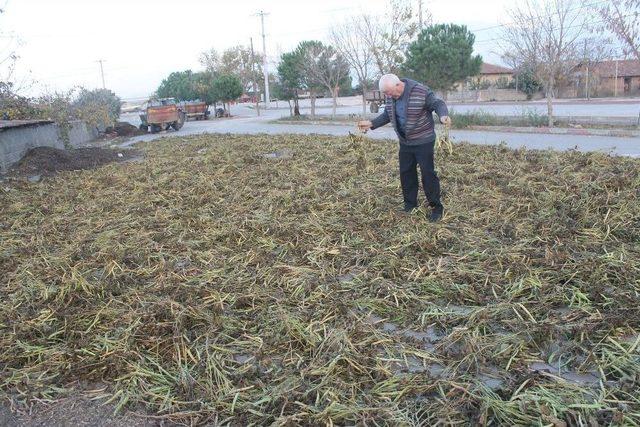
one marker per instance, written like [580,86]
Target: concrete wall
[491,94]
[607,86]
[80,133]
[15,142]
[601,87]
[496,78]
[567,92]
[490,80]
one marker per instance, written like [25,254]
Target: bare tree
[547,35]
[349,40]
[388,36]
[8,67]
[324,66]
[237,61]
[622,18]
[9,59]
[210,60]
[594,50]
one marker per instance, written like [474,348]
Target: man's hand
[446,120]
[364,125]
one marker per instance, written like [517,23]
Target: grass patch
[213,283]
[528,118]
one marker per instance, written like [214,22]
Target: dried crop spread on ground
[258,279]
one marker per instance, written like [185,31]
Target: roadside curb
[560,131]
[311,122]
[625,133]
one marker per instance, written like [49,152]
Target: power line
[307,31]
[567,28]
[315,30]
[86,71]
[339,9]
[493,27]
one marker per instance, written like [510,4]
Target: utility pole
[253,79]
[586,85]
[615,82]
[102,72]
[267,99]
[420,14]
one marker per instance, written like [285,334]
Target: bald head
[391,85]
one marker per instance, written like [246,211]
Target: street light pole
[102,72]
[615,82]
[265,69]
[253,79]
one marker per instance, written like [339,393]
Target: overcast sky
[142,41]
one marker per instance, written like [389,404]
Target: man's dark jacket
[419,127]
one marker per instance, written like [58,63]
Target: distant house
[491,75]
[494,73]
[608,78]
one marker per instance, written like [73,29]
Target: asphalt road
[622,107]
[246,121]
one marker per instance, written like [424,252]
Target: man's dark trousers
[410,156]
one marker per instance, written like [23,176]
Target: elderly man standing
[409,106]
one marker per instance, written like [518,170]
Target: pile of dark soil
[48,161]
[125,129]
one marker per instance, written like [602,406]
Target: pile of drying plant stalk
[220,281]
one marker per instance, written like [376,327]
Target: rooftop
[494,69]
[626,68]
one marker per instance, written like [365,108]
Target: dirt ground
[270,280]
[46,161]
[73,411]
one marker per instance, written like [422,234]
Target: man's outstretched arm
[379,121]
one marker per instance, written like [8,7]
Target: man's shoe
[409,208]
[436,214]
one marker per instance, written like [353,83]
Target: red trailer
[196,110]
[161,114]
[375,99]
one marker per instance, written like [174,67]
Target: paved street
[562,107]
[246,121]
